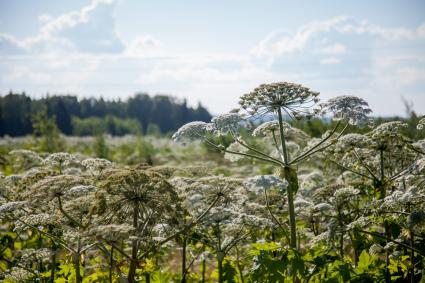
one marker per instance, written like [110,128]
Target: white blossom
[354,140]
[267,128]
[351,108]
[32,255]
[323,207]
[96,165]
[387,129]
[190,132]
[37,220]
[25,158]
[80,190]
[237,147]
[61,160]
[113,232]
[18,274]
[11,206]
[360,222]
[268,98]
[227,123]
[346,193]
[260,182]
[375,249]
[421,124]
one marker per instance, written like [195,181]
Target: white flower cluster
[323,207]
[346,193]
[37,220]
[96,165]
[237,147]
[420,165]
[351,108]
[354,140]
[421,124]
[267,128]
[54,186]
[80,190]
[162,229]
[190,132]
[387,129]
[268,98]
[311,180]
[18,274]
[12,180]
[32,255]
[399,198]
[61,160]
[11,206]
[25,158]
[420,145]
[260,182]
[303,205]
[227,123]
[359,223]
[321,238]
[375,249]
[113,232]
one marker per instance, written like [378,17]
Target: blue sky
[214,51]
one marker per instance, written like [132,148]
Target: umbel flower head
[190,132]
[294,99]
[421,124]
[351,108]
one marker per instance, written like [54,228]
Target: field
[269,193]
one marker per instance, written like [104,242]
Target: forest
[88,116]
[284,188]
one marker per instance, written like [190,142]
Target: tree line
[140,113]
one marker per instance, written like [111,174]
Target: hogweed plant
[235,216]
[337,207]
[386,161]
[52,205]
[277,100]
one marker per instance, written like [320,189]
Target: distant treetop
[88,116]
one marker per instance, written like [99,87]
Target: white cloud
[330,61]
[82,52]
[142,46]
[336,48]
[90,30]
[44,18]
[309,37]
[26,73]
[10,45]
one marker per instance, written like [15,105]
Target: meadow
[285,188]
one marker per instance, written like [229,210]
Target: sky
[214,51]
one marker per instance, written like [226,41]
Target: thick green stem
[412,257]
[76,260]
[204,267]
[134,248]
[240,269]
[412,251]
[53,258]
[184,259]
[220,270]
[111,264]
[341,238]
[220,255]
[290,176]
[382,194]
[282,137]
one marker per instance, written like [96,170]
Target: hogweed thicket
[342,207]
